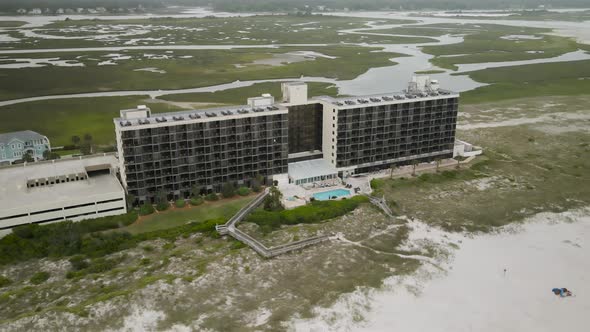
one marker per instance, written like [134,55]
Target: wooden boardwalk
[230,229]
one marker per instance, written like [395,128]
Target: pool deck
[336,195]
[290,190]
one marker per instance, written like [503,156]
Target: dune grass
[11,24]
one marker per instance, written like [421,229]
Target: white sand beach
[473,293]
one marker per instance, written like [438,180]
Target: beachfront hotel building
[299,139]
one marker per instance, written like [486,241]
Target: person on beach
[562,292]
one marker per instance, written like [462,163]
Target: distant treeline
[13,5]
[290,5]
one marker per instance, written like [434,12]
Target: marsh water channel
[374,81]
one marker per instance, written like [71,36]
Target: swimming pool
[327,195]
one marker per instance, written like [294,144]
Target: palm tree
[438,162]
[414,164]
[88,143]
[75,140]
[393,169]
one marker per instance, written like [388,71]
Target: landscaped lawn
[224,208]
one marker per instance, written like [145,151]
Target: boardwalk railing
[382,204]
[230,229]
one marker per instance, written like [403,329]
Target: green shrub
[145,261]
[237,245]
[180,203]
[196,201]
[24,231]
[148,248]
[228,190]
[39,277]
[315,212]
[376,184]
[425,177]
[146,209]
[212,197]
[98,265]
[450,174]
[256,187]
[163,206]
[101,265]
[69,238]
[78,262]
[61,239]
[4,281]
[243,191]
[101,244]
[272,202]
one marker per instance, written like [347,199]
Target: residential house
[14,146]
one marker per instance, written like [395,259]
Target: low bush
[145,261]
[61,239]
[243,191]
[256,187]
[146,209]
[228,190]
[235,245]
[180,203]
[40,277]
[195,201]
[101,265]
[450,174]
[4,281]
[98,265]
[212,197]
[207,227]
[316,211]
[376,184]
[110,222]
[78,262]
[101,244]
[69,238]
[163,206]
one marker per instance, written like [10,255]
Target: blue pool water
[326,195]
